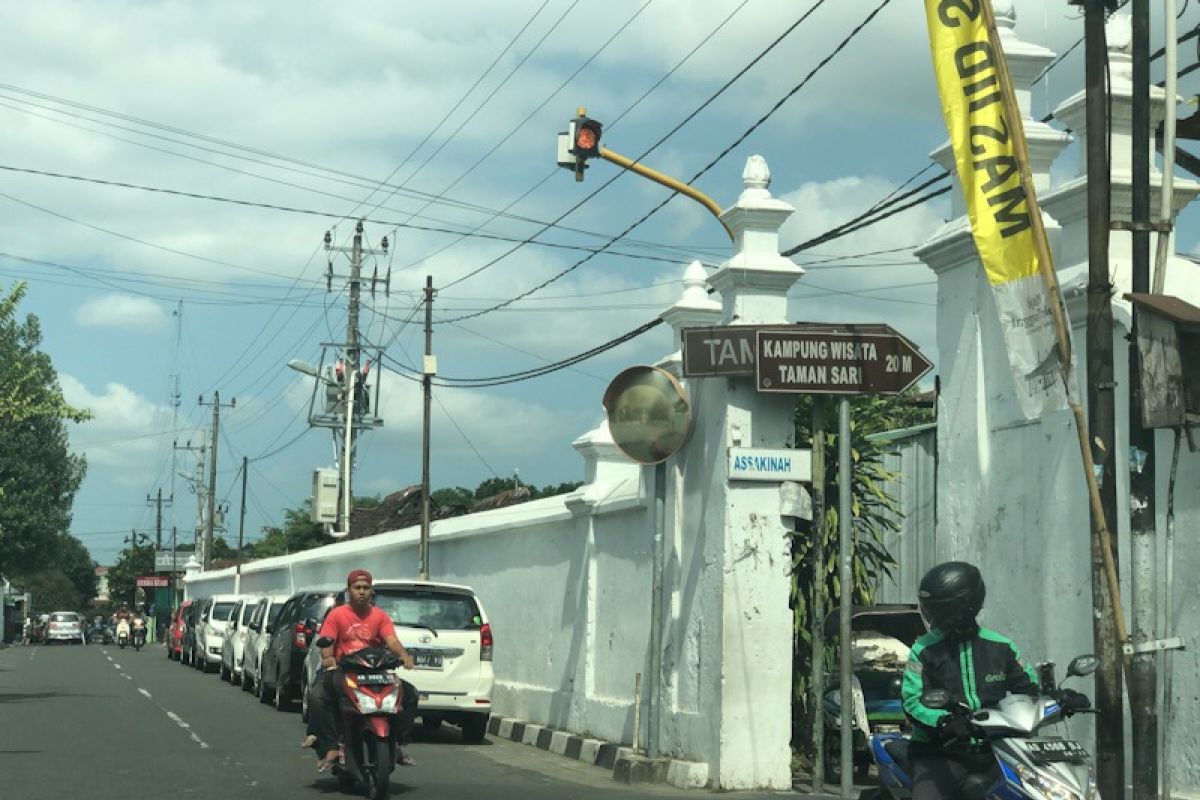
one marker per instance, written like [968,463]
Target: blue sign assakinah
[747,464]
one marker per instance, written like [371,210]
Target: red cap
[359,575]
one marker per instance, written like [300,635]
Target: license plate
[1056,750]
[374,678]
[427,660]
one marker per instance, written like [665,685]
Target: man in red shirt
[353,626]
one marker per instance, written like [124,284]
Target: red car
[175,636]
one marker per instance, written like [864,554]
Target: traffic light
[579,143]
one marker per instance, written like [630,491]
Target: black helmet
[951,594]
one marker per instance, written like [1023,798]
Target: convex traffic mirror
[648,414]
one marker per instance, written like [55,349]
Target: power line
[841,46]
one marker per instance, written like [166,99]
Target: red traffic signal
[587,138]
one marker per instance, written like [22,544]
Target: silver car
[65,626]
[264,613]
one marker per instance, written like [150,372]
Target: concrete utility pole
[1142,688]
[237,581]
[158,518]
[196,481]
[354,381]
[428,368]
[212,475]
[1110,727]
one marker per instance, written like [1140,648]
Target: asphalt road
[99,723]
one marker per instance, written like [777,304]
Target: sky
[430,125]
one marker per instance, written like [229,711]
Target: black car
[281,673]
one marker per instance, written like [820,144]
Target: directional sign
[164,563]
[153,580]
[730,349]
[837,362]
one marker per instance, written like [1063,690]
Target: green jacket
[977,671]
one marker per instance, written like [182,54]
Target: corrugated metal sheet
[911,454]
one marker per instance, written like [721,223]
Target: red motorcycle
[370,696]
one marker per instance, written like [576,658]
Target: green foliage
[298,533]
[122,576]
[51,591]
[38,474]
[874,514]
[456,497]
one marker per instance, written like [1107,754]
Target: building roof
[1165,305]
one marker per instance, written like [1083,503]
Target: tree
[298,533]
[38,474]
[132,562]
[874,514]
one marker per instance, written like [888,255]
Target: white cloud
[127,435]
[122,311]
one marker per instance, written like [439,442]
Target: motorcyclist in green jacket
[975,665]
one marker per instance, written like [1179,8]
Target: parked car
[265,612]
[210,631]
[65,626]
[445,628]
[282,667]
[191,624]
[175,631]
[234,640]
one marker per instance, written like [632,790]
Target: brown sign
[730,349]
[837,362]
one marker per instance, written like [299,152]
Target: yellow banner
[987,138]
[969,80]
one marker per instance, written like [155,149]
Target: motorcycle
[370,698]
[122,633]
[1029,765]
[139,634]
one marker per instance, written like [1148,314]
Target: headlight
[1051,789]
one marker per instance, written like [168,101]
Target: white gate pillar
[729,646]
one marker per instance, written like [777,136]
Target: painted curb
[625,765]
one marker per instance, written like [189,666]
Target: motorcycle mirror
[936,698]
[324,641]
[1082,665]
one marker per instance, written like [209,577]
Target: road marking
[147,694]
[116,665]
[126,677]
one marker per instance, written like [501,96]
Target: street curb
[625,765]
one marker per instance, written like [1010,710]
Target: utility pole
[158,518]
[196,481]
[237,581]
[1110,727]
[355,379]
[211,516]
[429,369]
[1142,684]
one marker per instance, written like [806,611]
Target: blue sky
[373,91]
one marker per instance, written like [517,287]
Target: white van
[444,627]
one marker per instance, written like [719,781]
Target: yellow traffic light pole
[666,180]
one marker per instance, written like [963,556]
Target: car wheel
[247,684]
[225,674]
[264,694]
[474,726]
[282,702]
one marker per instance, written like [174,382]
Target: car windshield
[273,613]
[221,611]
[64,617]
[425,608]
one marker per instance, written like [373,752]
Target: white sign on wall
[747,464]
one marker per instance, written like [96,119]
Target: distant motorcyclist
[352,627]
[977,666]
